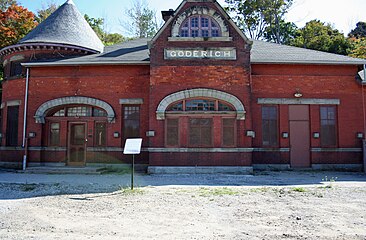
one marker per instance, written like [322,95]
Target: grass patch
[28,187]
[129,191]
[209,192]
[260,190]
[298,189]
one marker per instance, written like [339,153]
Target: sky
[343,15]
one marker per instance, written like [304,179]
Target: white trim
[297,101]
[131,101]
[210,150]
[336,150]
[13,103]
[200,92]
[45,107]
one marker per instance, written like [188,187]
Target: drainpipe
[24,144]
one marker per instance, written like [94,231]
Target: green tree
[4,4]
[141,21]
[45,12]
[358,48]
[283,33]
[261,18]
[323,37]
[107,38]
[359,31]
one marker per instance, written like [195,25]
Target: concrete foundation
[200,170]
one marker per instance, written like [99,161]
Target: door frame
[77,164]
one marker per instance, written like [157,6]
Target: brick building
[201,94]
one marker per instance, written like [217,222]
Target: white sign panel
[133,146]
[200,53]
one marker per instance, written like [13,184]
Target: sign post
[132,146]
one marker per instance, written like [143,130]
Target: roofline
[246,39]
[310,63]
[39,45]
[61,64]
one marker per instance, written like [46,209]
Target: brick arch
[200,11]
[45,107]
[200,92]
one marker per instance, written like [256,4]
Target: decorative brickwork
[44,108]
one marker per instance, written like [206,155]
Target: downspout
[24,144]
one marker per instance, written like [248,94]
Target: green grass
[117,170]
[260,190]
[128,191]
[209,192]
[298,189]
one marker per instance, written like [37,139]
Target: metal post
[133,170]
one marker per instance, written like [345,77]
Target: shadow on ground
[19,186]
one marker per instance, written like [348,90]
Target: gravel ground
[269,205]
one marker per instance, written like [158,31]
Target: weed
[117,170]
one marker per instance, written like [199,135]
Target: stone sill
[200,39]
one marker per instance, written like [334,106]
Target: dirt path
[331,210]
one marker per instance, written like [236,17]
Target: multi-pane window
[192,105]
[54,134]
[80,111]
[131,122]
[200,132]
[228,132]
[200,26]
[12,126]
[15,69]
[100,134]
[328,135]
[172,132]
[1,125]
[269,126]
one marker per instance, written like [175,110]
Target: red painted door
[299,136]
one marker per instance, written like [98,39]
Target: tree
[261,18]
[359,31]
[142,20]
[4,4]
[358,48]
[107,38]
[15,23]
[45,12]
[283,33]
[323,37]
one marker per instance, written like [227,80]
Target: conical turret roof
[65,26]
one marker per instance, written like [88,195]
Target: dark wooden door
[299,136]
[77,144]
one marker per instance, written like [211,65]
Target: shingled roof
[65,26]
[136,52]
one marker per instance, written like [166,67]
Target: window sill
[200,39]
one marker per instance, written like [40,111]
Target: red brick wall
[313,81]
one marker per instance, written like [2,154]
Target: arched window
[197,105]
[78,111]
[200,26]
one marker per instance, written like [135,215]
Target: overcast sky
[342,14]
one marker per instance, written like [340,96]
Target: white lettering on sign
[217,53]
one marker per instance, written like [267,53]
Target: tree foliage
[358,49]
[4,4]
[261,18]
[320,36]
[15,23]
[107,38]
[359,31]
[142,21]
[45,12]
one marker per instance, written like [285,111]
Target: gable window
[200,26]
[328,135]
[269,126]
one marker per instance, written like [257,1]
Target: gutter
[40,64]
[24,144]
